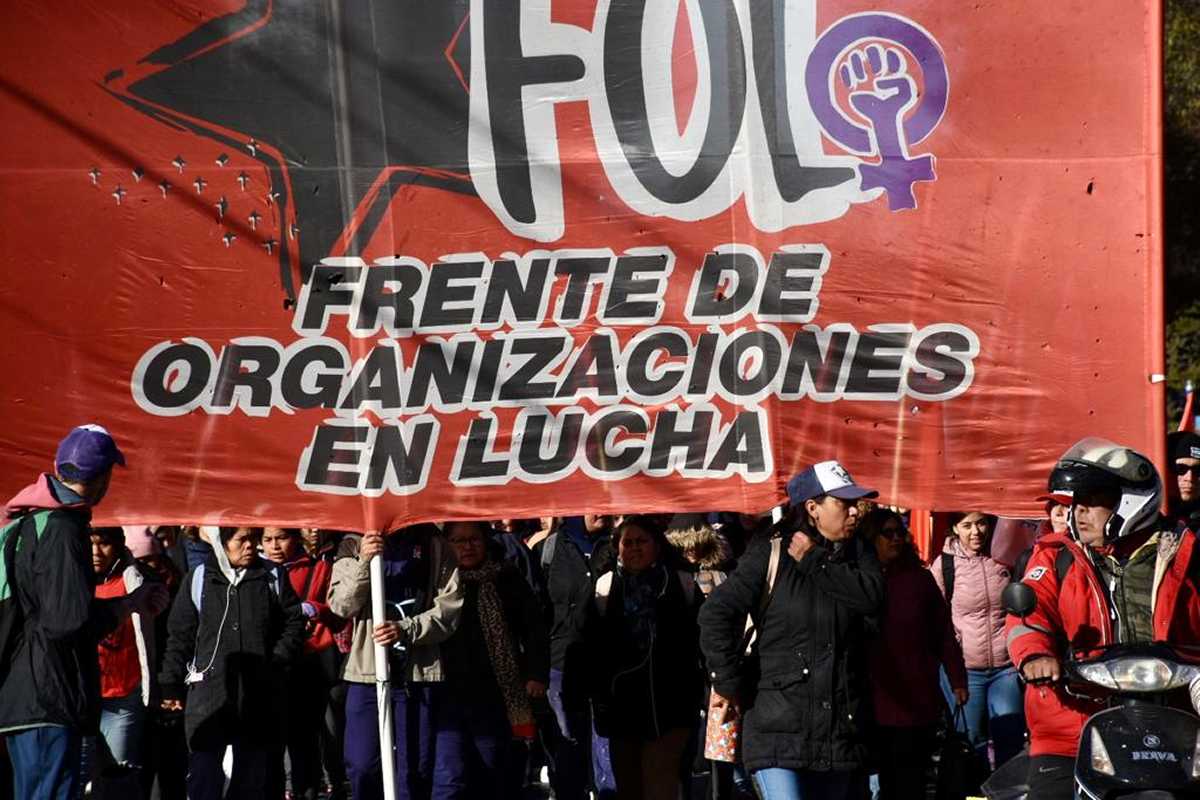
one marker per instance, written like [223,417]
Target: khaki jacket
[350,598]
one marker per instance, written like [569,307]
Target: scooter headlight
[1100,761]
[1139,674]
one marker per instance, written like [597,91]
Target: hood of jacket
[221,560]
[37,496]
[709,548]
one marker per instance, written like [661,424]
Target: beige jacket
[350,597]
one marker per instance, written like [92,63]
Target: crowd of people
[239,662]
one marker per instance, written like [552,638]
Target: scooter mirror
[1018,599]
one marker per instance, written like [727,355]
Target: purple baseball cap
[87,452]
[827,477]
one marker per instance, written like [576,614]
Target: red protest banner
[480,260]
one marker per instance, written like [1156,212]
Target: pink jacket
[975,608]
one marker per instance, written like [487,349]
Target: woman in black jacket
[497,663]
[235,626]
[645,657]
[807,710]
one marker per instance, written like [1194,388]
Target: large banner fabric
[363,264]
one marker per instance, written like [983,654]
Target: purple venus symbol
[874,69]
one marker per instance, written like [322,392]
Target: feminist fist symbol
[884,94]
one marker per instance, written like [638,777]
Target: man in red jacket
[1118,575]
[317,670]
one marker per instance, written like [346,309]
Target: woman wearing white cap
[806,705]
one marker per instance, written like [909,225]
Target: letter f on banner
[516,79]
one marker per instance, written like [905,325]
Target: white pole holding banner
[383,687]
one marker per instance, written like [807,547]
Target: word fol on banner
[611,393]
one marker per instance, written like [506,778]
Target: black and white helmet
[1096,464]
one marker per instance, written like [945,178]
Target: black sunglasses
[893,533]
[1184,469]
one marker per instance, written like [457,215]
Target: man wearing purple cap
[50,620]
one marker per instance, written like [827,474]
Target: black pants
[1051,778]
[905,755]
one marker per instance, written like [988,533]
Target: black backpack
[1062,565]
[12,617]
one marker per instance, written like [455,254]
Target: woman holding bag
[806,728]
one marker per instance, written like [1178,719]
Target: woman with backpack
[972,581]
[645,661]
[235,626]
[805,695]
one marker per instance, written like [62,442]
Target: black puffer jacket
[639,692]
[811,708]
[243,639]
[569,577]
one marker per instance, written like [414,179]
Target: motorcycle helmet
[1096,464]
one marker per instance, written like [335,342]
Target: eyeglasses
[895,533]
[466,542]
[1184,469]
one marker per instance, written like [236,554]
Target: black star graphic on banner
[342,90]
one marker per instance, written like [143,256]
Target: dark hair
[483,527]
[293,532]
[227,533]
[958,516]
[110,535]
[646,523]
[870,526]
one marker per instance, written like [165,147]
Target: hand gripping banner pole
[383,688]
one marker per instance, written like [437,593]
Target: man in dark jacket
[51,622]
[235,626]
[571,560]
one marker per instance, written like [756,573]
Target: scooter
[1138,747]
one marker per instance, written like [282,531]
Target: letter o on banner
[173,378]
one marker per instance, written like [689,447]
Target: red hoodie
[1078,610]
[309,575]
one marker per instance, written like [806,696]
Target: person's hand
[1043,669]
[727,707]
[961,696]
[800,545]
[372,545]
[149,599]
[388,633]
[171,705]
[535,689]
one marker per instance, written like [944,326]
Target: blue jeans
[578,745]
[412,731]
[995,710]
[790,784]
[471,747]
[121,721]
[45,763]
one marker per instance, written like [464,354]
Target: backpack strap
[1062,563]
[948,576]
[275,580]
[548,552]
[603,590]
[751,632]
[10,543]
[197,587]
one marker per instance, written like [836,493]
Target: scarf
[500,648]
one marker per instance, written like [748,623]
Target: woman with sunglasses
[972,581]
[915,639]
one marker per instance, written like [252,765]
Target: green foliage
[1181,139]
